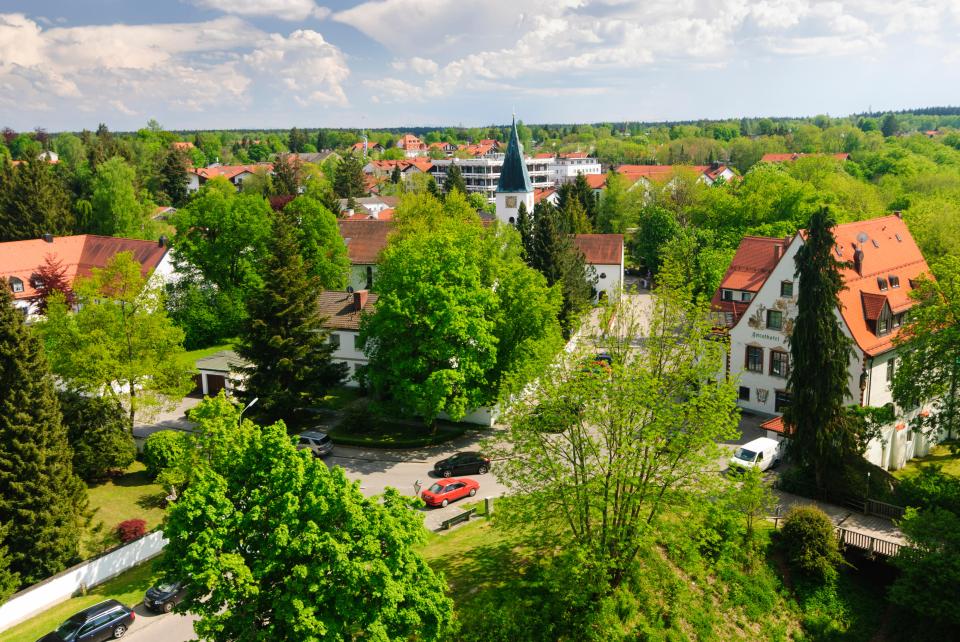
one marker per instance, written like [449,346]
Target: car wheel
[473,491]
[119,632]
[448,473]
[482,470]
[168,607]
[444,503]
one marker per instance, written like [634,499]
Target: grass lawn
[340,398]
[130,496]
[189,359]
[940,455]
[127,588]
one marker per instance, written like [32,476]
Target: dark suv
[462,464]
[163,597]
[104,621]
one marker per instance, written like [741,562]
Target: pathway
[847,518]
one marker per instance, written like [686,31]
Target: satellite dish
[862,238]
[350,289]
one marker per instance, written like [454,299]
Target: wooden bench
[462,517]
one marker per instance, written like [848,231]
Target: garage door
[215,384]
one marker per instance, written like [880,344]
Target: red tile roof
[340,308]
[600,249]
[665,172]
[365,239]
[596,181]
[77,254]
[181,145]
[776,425]
[229,171]
[790,157]
[751,266]
[541,193]
[543,155]
[409,141]
[574,155]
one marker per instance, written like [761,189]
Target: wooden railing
[872,545]
[883,509]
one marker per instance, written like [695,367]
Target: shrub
[162,450]
[931,488]
[811,546]
[98,433]
[131,529]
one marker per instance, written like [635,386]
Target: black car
[104,621]
[163,597]
[462,464]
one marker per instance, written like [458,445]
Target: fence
[883,509]
[846,537]
[85,575]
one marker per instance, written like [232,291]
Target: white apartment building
[565,167]
[757,300]
[483,173]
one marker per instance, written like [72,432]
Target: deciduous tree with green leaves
[594,455]
[279,546]
[928,369]
[320,242]
[120,344]
[42,501]
[98,435]
[116,209]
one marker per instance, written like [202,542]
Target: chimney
[48,238]
[858,261]
[360,299]
[348,211]
[898,213]
[163,240]
[777,251]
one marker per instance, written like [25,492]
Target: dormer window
[899,240]
[746,296]
[894,281]
[16,284]
[883,326]
[875,244]
[882,283]
[726,295]
[36,281]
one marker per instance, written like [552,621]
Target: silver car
[319,443]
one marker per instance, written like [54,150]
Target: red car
[449,490]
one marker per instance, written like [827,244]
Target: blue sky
[385,63]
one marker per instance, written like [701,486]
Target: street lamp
[247,407]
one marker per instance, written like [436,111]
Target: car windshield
[167,588]
[69,627]
[745,455]
[323,439]
[436,488]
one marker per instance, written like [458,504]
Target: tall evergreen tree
[454,180]
[33,202]
[525,228]
[820,355]
[349,180]
[9,580]
[42,501]
[395,175]
[584,194]
[287,175]
[285,340]
[575,218]
[173,176]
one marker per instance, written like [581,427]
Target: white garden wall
[62,586]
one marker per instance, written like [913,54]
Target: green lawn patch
[189,359]
[127,588]
[130,496]
[940,455]
[340,398]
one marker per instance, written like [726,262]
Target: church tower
[514,185]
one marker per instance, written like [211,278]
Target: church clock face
[511,201]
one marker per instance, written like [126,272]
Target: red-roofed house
[411,145]
[548,193]
[757,301]
[365,239]
[342,312]
[236,174]
[181,146]
[648,174]
[604,253]
[795,156]
[358,148]
[20,260]
[446,148]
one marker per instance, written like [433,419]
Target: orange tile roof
[365,239]
[574,155]
[229,171]
[596,181]
[543,155]
[181,145]
[883,255]
[541,193]
[749,270]
[790,157]
[77,254]
[600,249]
[776,425]
[340,308]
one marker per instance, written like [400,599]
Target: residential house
[221,371]
[236,174]
[365,147]
[78,255]
[342,312]
[648,174]
[411,146]
[384,168]
[365,239]
[756,305]
[443,147]
[604,254]
[565,167]
[181,146]
[369,206]
[795,156]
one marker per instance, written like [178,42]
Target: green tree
[98,434]
[890,126]
[615,212]
[33,202]
[753,499]
[349,181]
[525,227]
[116,209]
[588,200]
[820,356]
[285,340]
[120,343]
[173,176]
[575,218]
[598,454]
[9,579]
[42,501]
[52,278]
[297,140]
[320,242]
[287,175]
[395,176]
[657,227]
[454,180]
[279,546]
[810,543]
[928,369]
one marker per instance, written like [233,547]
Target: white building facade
[566,167]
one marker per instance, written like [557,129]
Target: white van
[762,453]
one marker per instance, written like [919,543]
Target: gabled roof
[873,305]
[229,171]
[666,172]
[340,308]
[755,259]
[600,249]
[793,156]
[596,181]
[543,192]
[514,176]
[77,254]
[365,239]
[574,155]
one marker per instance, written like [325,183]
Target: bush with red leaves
[131,529]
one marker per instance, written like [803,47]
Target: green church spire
[513,175]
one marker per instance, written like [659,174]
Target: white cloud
[282,9]
[393,90]
[310,69]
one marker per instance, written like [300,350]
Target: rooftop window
[16,284]
[882,283]
[894,281]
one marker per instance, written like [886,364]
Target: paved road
[151,627]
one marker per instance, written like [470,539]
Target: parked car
[104,621]
[762,453]
[466,463]
[163,597]
[445,491]
[316,441]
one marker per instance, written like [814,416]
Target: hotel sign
[768,337]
